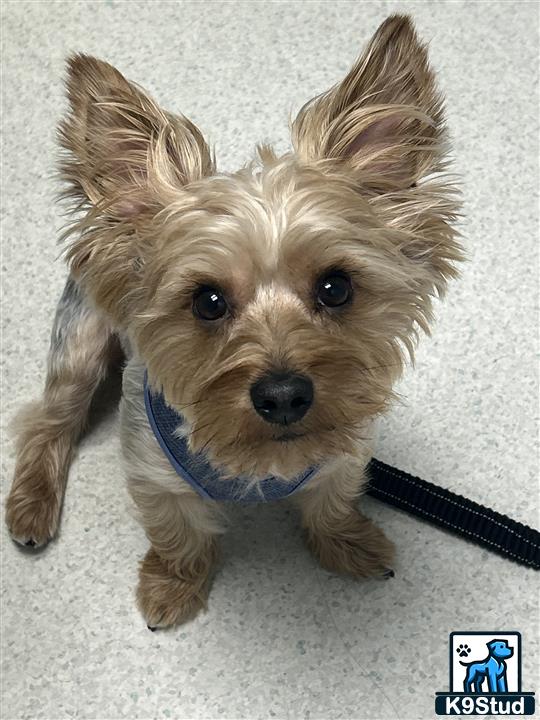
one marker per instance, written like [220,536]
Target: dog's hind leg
[478,684]
[82,349]
[468,682]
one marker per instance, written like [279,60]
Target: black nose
[282,398]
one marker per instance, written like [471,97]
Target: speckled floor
[282,638]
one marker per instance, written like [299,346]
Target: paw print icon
[463,650]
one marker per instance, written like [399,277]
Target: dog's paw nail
[152,629]
[30,543]
[389,574]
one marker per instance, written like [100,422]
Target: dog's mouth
[288,436]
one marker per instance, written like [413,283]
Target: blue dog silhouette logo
[491,670]
[485,676]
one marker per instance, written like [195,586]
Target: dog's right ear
[126,160]
[123,149]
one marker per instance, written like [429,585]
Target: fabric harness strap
[169,428]
[439,506]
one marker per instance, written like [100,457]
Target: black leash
[458,514]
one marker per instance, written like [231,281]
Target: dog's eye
[334,290]
[209,303]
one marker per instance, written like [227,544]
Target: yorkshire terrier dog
[264,315]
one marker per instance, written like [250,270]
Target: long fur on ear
[121,146]
[384,119]
[125,159]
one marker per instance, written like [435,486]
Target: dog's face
[500,649]
[272,306]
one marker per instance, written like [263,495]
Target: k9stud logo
[485,676]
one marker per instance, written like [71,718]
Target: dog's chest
[196,470]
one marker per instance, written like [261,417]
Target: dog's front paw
[355,546]
[32,513]
[168,599]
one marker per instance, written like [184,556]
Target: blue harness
[490,529]
[199,473]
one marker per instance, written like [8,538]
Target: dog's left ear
[384,119]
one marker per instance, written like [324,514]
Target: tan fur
[181,527]
[48,430]
[342,539]
[264,235]
[385,118]
[165,598]
[126,159]
[175,574]
[355,547]
[362,192]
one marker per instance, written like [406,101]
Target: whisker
[184,406]
[207,443]
[200,428]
